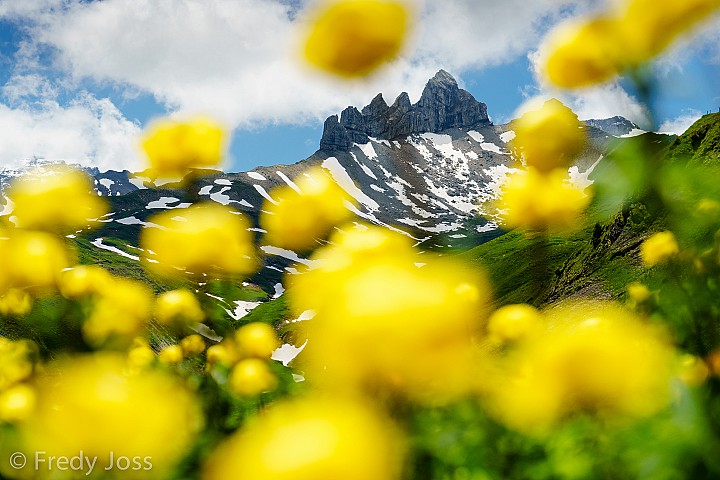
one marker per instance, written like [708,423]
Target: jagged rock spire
[442,105]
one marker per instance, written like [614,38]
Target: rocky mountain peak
[617,125]
[442,105]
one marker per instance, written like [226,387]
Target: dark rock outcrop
[442,105]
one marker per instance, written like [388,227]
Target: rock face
[442,105]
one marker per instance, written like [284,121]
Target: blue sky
[79,80]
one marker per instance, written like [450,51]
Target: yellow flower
[314,438]
[256,340]
[224,353]
[651,26]
[592,357]
[178,307]
[16,361]
[513,322]
[173,148]
[15,302]
[84,280]
[298,220]
[32,260]
[17,403]
[92,404]
[140,356]
[60,200]
[352,38]
[121,312]
[658,248]
[377,300]
[252,376]
[550,137]
[537,201]
[583,53]
[192,345]
[638,292]
[210,239]
[171,355]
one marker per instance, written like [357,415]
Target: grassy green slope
[700,144]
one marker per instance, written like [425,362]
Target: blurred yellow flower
[298,220]
[192,345]
[256,340]
[550,137]
[513,322]
[537,201]
[171,355]
[178,307]
[224,353]
[590,51]
[314,438]
[32,260]
[92,404]
[638,292]
[84,280]
[409,317]
[58,200]
[16,361]
[120,312]
[15,302]
[592,357]
[658,248]
[580,53]
[140,356]
[17,403]
[173,148]
[353,38]
[251,376]
[650,26]
[211,239]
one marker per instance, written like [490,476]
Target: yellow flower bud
[256,340]
[539,201]
[251,376]
[211,239]
[513,322]
[32,260]
[17,403]
[16,361]
[550,137]
[15,302]
[352,38]
[84,280]
[120,313]
[178,307]
[314,438]
[224,353]
[298,220]
[140,356]
[192,345]
[171,355]
[173,148]
[658,248]
[638,292]
[60,200]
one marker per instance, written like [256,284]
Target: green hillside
[700,144]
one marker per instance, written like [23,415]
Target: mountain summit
[442,105]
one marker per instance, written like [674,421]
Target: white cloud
[88,131]
[677,126]
[239,60]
